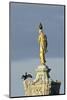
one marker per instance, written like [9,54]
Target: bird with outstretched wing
[26,76]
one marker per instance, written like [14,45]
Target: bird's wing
[29,75]
[22,76]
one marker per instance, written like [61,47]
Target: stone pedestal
[41,85]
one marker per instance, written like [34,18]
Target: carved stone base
[41,85]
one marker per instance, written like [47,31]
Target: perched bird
[26,76]
[40,26]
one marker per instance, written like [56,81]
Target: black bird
[40,26]
[26,76]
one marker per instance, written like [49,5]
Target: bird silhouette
[26,76]
[40,26]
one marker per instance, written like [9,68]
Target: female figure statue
[42,43]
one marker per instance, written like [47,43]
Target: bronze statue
[42,43]
[42,84]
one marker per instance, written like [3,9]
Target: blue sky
[25,19]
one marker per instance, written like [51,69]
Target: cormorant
[26,76]
[40,26]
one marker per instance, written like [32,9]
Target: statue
[42,84]
[43,44]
